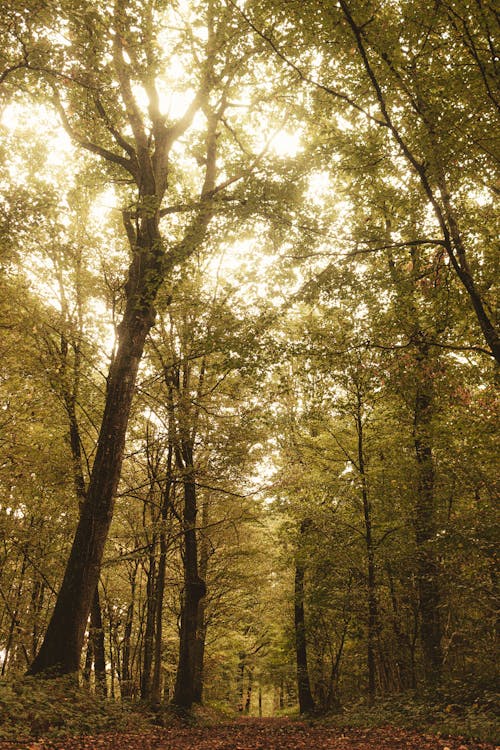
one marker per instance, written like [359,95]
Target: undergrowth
[33,707]
[442,715]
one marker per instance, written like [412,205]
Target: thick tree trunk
[425,528]
[61,649]
[194,590]
[306,702]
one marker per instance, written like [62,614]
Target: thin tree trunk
[425,526]
[98,648]
[37,597]
[126,676]
[403,656]
[149,632]
[373,624]
[160,583]
[202,626]
[112,661]
[248,698]
[14,616]
[240,677]
[87,667]
[306,702]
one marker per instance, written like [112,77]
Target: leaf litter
[256,734]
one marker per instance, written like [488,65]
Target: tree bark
[306,702]
[240,678]
[160,583]
[248,697]
[194,586]
[404,652]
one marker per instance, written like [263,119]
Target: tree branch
[94,148]
[303,76]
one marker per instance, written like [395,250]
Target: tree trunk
[87,667]
[202,626]
[61,649]
[14,616]
[37,597]
[372,623]
[248,698]
[306,702]
[194,588]
[240,678]
[160,584]
[425,526]
[98,650]
[155,693]
[126,681]
[149,632]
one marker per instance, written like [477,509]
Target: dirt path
[258,734]
[282,734]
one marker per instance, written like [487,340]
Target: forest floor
[257,734]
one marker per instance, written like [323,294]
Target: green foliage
[33,707]
[442,715]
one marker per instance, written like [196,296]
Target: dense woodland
[249,348]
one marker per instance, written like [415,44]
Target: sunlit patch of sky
[319,187]
[483,197]
[104,205]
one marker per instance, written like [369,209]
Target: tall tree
[95,82]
